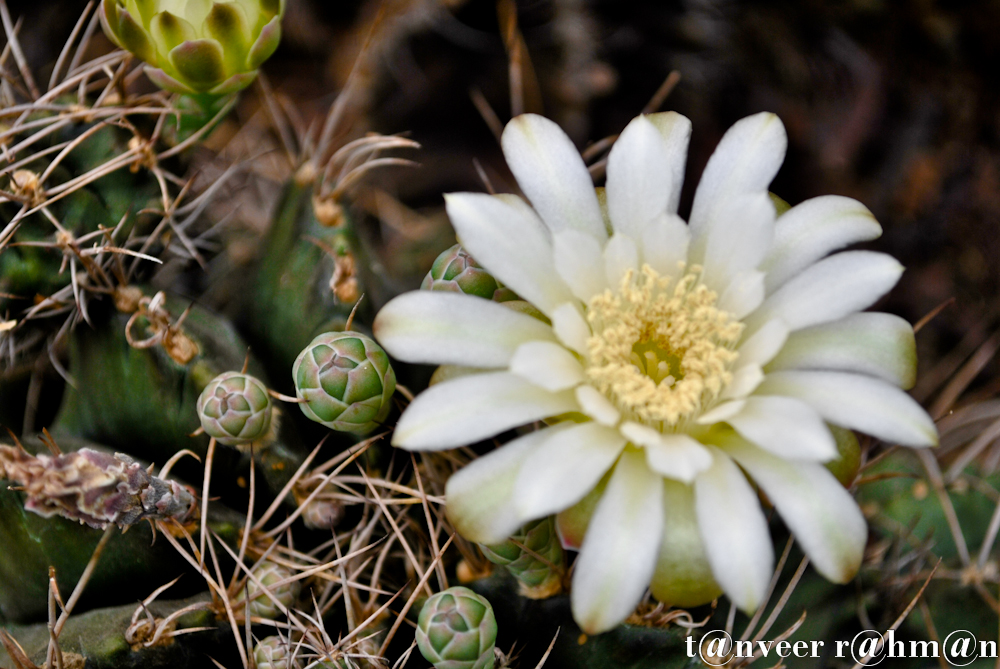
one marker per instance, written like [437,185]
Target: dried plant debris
[93,487]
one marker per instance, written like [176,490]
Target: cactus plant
[610,375]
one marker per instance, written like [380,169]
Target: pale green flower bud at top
[458,272]
[457,630]
[273,577]
[196,46]
[534,557]
[273,653]
[345,380]
[235,408]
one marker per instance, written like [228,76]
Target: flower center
[661,350]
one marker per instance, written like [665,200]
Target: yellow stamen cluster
[661,353]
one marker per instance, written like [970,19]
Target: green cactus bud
[273,577]
[457,630]
[273,653]
[196,47]
[456,271]
[535,558]
[346,381]
[235,408]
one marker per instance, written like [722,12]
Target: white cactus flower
[681,359]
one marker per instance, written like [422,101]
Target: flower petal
[620,549]
[676,456]
[506,238]
[481,494]
[109,18]
[738,240]
[471,408]
[764,344]
[550,171]
[831,289]
[744,294]
[676,132]
[571,524]
[571,327]
[436,327]
[576,255]
[560,471]
[547,365]
[169,30]
[880,345]
[638,183]
[857,402]
[745,380]
[597,406]
[133,37]
[665,242]
[166,82]
[227,23]
[200,62]
[235,83]
[744,163]
[721,412]
[620,256]
[813,229]
[734,532]
[683,577]
[786,427]
[266,44]
[820,512]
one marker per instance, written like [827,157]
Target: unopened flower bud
[458,272]
[273,653]
[235,408]
[534,557]
[196,46]
[346,381]
[457,630]
[274,579]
